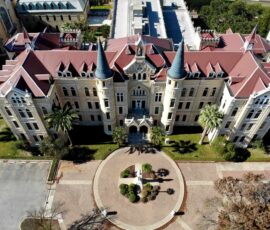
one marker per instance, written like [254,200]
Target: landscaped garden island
[140,183]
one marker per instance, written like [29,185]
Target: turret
[175,76]
[103,70]
[177,70]
[105,88]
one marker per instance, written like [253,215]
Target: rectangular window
[158,97]
[76,105]
[200,105]
[235,139]
[106,103]
[263,124]
[169,115]
[16,124]
[121,122]
[187,105]
[167,128]
[249,126]
[97,105]
[176,84]
[156,110]
[103,84]
[180,105]
[108,116]
[243,126]
[228,124]
[23,136]
[120,110]
[89,105]
[177,118]
[28,126]
[99,118]
[184,118]
[35,138]
[196,118]
[109,128]
[41,137]
[172,103]
[242,139]
[92,118]
[35,126]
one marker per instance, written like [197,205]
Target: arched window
[22,114]
[44,110]
[250,114]
[13,100]
[213,92]
[18,100]
[95,92]
[23,101]
[29,114]
[183,93]
[86,90]
[139,77]
[205,92]
[191,92]
[144,76]
[258,114]
[73,92]
[234,112]
[134,76]
[65,91]
[8,111]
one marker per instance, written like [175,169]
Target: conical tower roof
[177,70]
[103,70]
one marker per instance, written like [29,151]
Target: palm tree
[119,135]
[61,119]
[210,118]
[157,135]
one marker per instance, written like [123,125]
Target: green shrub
[132,197]
[123,189]
[229,152]
[131,188]
[144,199]
[148,187]
[124,174]
[53,170]
[147,168]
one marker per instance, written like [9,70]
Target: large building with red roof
[141,81]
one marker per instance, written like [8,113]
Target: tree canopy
[237,15]
[242,204]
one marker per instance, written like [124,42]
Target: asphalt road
[22,188]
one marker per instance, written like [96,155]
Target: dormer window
[212,74]
[83,74]
[220,74]
[91,74]
[59,74]
[68,74]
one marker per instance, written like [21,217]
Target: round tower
[175,76]
[105,88]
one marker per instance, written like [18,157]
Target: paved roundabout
[139,216]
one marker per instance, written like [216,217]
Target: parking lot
[22,188]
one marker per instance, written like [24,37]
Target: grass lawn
[101,151]
[103,7]
[191,150]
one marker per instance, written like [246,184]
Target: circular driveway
[139,216]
